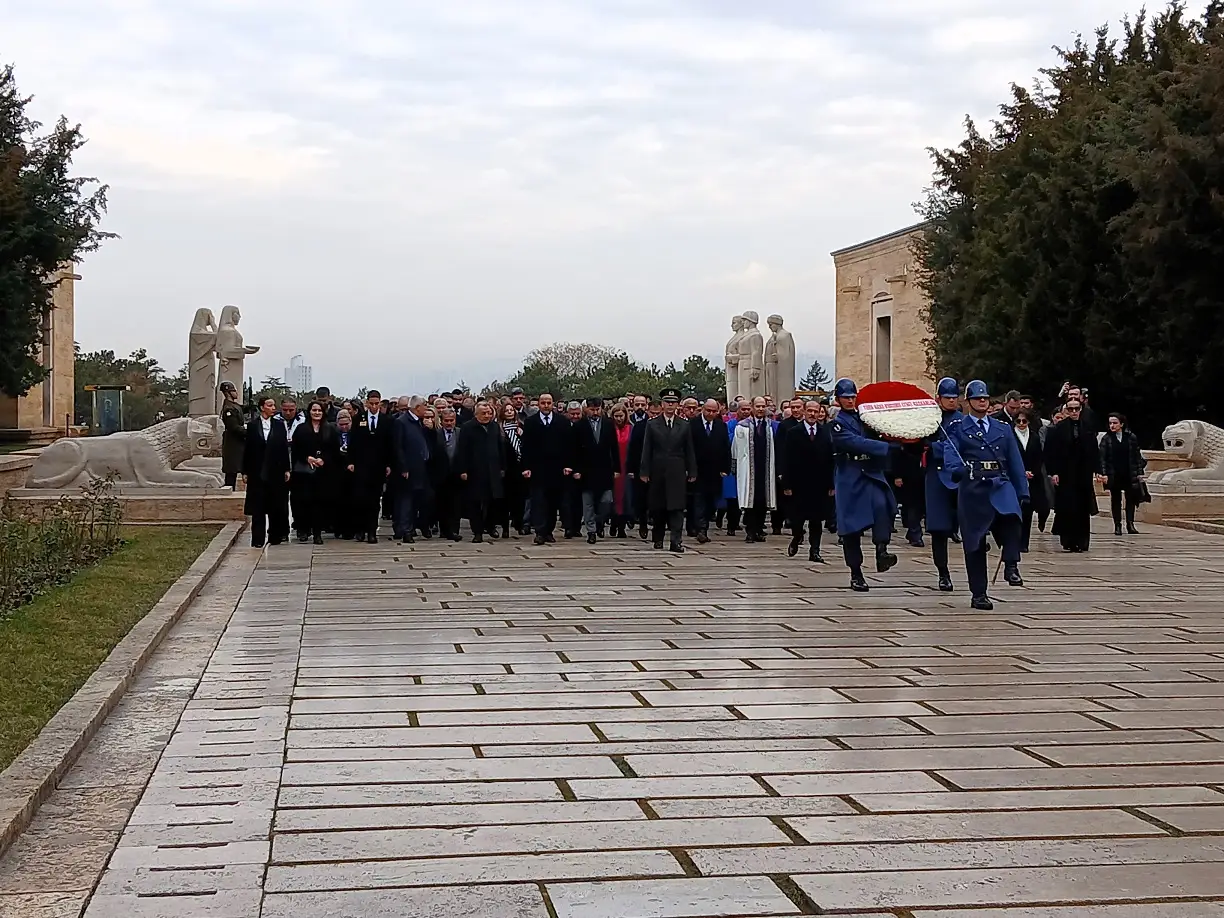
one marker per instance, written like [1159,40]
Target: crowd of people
[667,467]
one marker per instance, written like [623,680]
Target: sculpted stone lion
[145,458]
[1202,444]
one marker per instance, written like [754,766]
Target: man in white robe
[752,451]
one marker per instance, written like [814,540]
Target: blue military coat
[940,488]
[984,492]
[860,478]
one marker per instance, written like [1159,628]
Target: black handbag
[1140,494]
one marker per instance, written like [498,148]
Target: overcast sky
[411,192]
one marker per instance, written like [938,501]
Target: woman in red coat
[622,498]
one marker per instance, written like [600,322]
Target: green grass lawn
[50,646]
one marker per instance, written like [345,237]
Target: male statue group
[759,367]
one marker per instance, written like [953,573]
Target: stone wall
[876,279]
[49,407]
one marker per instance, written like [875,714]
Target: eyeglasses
[1072,408]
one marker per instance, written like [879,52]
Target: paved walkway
[503,731]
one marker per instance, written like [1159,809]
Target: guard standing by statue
[864,496]
[984,457]
[233,436]
[941,490]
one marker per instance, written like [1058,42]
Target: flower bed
[37,554]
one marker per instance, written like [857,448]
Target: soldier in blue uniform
[864,496]
[984,457]
[941,490]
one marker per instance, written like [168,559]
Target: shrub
[38,553]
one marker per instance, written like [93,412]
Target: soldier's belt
[987,466]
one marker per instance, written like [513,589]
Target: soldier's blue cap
[977,389]
[948,388]
[845,388]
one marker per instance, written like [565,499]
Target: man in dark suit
[712,449]
[370,461]
[481,463]
[444,476]
[596,467]
[633,466]
[807,477]
[668,466]
[265,468]
[548,462]
[792,417]
[410,457]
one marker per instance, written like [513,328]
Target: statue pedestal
[1170,503]
[146,505]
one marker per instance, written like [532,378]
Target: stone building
[880,329]
[46,411]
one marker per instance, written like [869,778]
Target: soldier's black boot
[885,560]
[945,581]
[1011,573]
[982,603]
[857,582]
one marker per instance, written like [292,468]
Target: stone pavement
[503,731]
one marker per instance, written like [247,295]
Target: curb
[37,771]
[1195,526]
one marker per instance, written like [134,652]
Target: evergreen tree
[1083,237]
[48,219]
[817,377]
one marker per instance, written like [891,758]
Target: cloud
[492,176]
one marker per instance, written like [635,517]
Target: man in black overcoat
[596,467]
[807,478]
[444,474]
[669,464]
[712,450]
[480,461]
[1073,460]
[265,467]
[369,459]
[548,462]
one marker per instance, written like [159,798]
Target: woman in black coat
[1122,468]
[345,492]
[315,452]
[1029,440]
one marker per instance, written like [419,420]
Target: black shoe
[814,557]
[702,538]
[658,544]
[478,538]
[676,549]
[257,544]
[760,536]
[408,540]
[305,536]
[945,582]
[885,561]
[539,540]
[318,539]
[275,541]
[1011,573]
[858,584]
[982,604]
[1117,529]
[492,534]
[917,543]
[372,538]
[454,537]
[1130,528]
[793,548]
[644,533]
[591,539]
[956,539]
[732,531]
[550,539]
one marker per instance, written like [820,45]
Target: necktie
[669,423]
[709,427]
[373,422]
[811,433]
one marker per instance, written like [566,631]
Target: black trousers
[231,479]
[813,525]
[754,520]
[641,511]
[733,515]
[571,507]
[545,502]
[1115,504]
[446,508]
[1006,531]
[673,521]
[852,551]
[939,550]
[270,521]
[705,500]
[480,517]
[1026,527]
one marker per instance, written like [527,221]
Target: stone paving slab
[511,731]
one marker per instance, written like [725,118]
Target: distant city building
[299,377]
